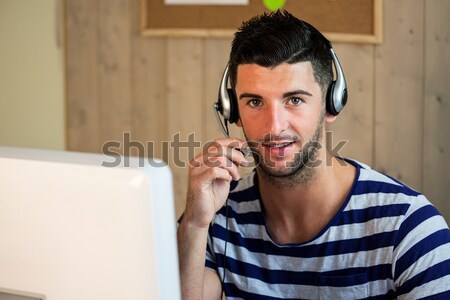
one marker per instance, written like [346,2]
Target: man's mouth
[277,149]
[277,144]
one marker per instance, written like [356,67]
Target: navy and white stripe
[386,242]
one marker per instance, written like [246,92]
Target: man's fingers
[233,150]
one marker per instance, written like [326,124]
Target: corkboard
[340,20]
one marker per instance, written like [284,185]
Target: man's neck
[297,213]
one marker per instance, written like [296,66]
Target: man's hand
[210,174]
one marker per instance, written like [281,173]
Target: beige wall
[397,119]
[31,75]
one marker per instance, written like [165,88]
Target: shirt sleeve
[210,259]
[421,266]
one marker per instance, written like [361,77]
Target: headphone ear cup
[337,92]
[329,101]
[234,111]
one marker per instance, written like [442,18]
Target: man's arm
[195,279]
[422,254]
[210,174]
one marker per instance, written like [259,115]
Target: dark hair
[272,39]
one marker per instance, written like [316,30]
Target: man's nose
[276,119]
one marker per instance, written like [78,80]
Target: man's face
[281,112]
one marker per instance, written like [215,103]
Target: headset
[227,104]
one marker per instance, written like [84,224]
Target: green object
[274,4]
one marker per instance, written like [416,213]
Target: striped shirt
[386,242]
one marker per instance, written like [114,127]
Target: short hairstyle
[278,37]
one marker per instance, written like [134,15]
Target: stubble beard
[299,171]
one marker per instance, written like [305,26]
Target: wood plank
[114,70]
[398,92]
[81,76]
[354,125]
[437,104]
[148,84]
[185,108]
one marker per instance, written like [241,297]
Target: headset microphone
[223,125]
[227,107]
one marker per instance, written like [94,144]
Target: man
[298,227]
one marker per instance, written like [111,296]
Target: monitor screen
[72,228]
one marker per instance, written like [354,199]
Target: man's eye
[296,101]
[254,102]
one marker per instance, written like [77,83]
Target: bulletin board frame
[350,21]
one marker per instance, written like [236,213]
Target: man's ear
[330,118]
[238,122]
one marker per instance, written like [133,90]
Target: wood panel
[436,167]
[398,92]
[82,110]
[185,106]
[114,69]
[354,125]
[148,85]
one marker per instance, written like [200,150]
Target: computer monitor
[72,229]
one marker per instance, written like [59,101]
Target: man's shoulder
[373,181]
[380,189]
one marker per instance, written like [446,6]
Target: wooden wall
[397,119]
